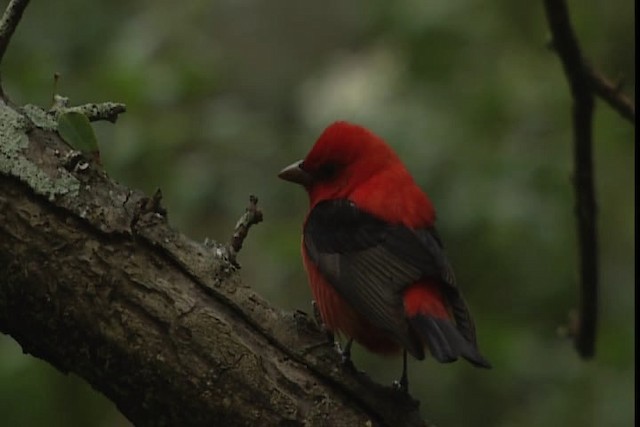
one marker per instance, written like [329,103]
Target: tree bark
[94,281]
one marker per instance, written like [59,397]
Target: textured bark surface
[94,281]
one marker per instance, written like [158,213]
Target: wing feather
[370,262]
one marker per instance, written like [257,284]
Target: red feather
[426,299]
[338,316]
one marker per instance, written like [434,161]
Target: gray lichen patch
[14,144]
[39,117]
[103,111]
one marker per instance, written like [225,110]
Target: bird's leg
[316,313]
[403,383]
[345,353]
[318,317]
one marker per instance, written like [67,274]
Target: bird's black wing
[370,262]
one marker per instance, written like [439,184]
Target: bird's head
[344,156]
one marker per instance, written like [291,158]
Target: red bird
[376,265]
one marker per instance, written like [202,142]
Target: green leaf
[76,130]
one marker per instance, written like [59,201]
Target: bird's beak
[295,173]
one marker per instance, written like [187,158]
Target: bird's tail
[433,321]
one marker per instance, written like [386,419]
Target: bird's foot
[345,354]
[331,339]
[402,385]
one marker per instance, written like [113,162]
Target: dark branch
[95,281]
[580,83]
[10,20]
[612,94]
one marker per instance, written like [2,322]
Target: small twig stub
[108,111]
[251,216]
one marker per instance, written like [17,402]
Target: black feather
[370,262]
[445,342]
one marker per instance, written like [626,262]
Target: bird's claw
[401,385]
[345,359]
[316,313]
[345,354]
[318,318]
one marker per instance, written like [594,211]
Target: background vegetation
[222,94]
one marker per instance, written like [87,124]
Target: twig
[94,111]
[10,19]
[149,205]
[580,83]
[251,216]
[103,111]
[611,94]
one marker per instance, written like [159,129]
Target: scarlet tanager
[376,265]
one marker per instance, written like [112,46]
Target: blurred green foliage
[222,94]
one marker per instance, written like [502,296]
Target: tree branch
[611,94]
[9,22]
[108,111]
[580,83]
[93,280]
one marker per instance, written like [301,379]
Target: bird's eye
[326,171]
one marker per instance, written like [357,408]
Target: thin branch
[251,216]
[566,45]
[108,111]
[10,19]
[611,94]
